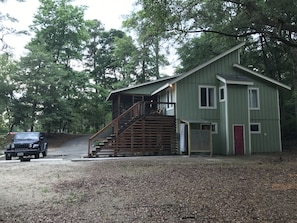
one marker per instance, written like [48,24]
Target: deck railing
[136,111]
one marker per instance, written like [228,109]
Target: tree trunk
[294,77]
[64,127]
[48,129]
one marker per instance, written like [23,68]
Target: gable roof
[154,87]
[146,88]
[214,59]
[199,67]
[272,81]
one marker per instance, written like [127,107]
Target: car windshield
[26,135]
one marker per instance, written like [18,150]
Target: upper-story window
[207,97]
[254,102]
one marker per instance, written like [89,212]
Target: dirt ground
[151,189]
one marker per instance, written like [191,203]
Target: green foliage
[60,27]
[269,28]
[40,90]
[99,56]
[209,45]
[8,68]
[43,91]
[126,55]
[150,38]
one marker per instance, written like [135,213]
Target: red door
[238,140]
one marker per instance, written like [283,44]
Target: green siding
[236,105]
[268,140]
[233,111]
[268,116]
[238,113]
[221,142]
[187,96]
[268,107]
[188,101]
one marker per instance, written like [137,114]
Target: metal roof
[240,67]
[208,63]
[154,87]
[235,79]
[147,88]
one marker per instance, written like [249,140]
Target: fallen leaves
[163,189]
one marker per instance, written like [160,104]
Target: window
[205,127]
[254,98]
[207,97]
[169,97]
[213,127]
[222,93]
[255,128]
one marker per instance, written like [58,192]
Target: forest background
[72,64]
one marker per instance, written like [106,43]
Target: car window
[27,135]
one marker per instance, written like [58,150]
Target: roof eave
[238,66]
[223,80]
[160,89]
[137,86]
[208,62]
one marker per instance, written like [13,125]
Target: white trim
[234,81]
[215,96]
[243,128]
[169,97]
[258,98]
[227,122]
[160,89]
[215,124]
[143,84]
[221,79]
[279,125]
[208,62]
[224,89]
[249,130]
[261,76]
[259,128]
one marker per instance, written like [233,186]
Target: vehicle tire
[44,153]
[37,156]
[7,157]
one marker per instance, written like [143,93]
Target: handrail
[139,109]
[134,110]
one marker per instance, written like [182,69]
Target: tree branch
[272,35]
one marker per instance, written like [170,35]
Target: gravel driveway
[73,149]
[151,189]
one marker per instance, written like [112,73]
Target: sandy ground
[151,189]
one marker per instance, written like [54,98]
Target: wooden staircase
[136,132]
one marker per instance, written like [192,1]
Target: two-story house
[218,107]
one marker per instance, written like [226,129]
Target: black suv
[26,144]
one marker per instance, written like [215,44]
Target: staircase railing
[118,124]
[136,111]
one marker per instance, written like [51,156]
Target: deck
[136,132]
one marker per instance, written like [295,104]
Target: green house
[218,107]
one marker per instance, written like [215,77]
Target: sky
[109,12]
